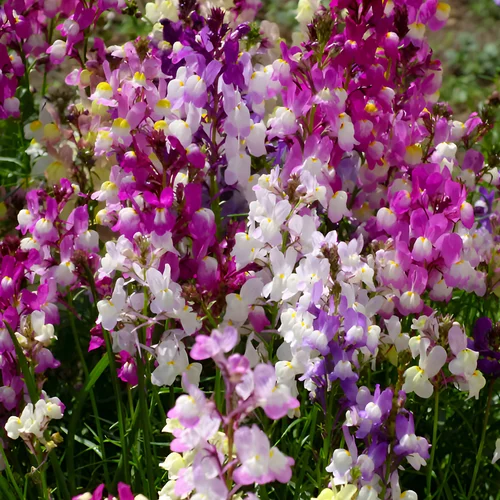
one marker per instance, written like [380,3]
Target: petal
[435,361]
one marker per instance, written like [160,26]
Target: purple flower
[483,208]
[415,448]
[487,343]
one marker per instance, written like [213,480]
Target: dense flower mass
[256,234]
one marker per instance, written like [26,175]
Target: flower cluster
[266,232]
[242,452]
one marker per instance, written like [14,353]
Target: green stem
[156,397]
[10,475]
[143,407]
[219,396]
[325,452]
[61,480]
[387,474]
[93,402]
[146,427]
[49,41]
[7,492]
[27,375]
[284,241]
[230,444]
[430,467]
[210,318]
[119,409]
[481,444]
[45,490]
[81,398]
[214,188]
[93,289]
[30,382]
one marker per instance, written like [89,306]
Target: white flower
[346,133]
[347,492]
[343,370]
[465,363]
[64,273]
[44,333]
[33,420]
[496,455]
[272,215]
[172,361]
[238,303]
[310,270]
[181,130]
[116,256]
[53,408]
[14,425]
[189,319]
[396,490]
[173,464]
[475,383]
[337,206]
[282,267]
[396,337]
[306,10]
[386,218]
[193,374]
[282,123]
[340,466]
[110,309]
[168,491]
[165,292]
[287,370]
[88,240]
[367,492]
[256,139]
[246,249]
[417,377]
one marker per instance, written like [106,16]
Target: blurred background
[469,48]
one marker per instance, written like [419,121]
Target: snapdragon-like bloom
[260,463]
[241,202]
[417,378]
[110,309]
[34,419]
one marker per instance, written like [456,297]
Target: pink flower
[275,399]
[260,463]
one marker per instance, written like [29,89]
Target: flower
[344,493]
[417,377]
[110,309]
[486,342]
[260,463]
[496,454]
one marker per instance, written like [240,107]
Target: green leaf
[28,377]
[4,486]
[86,442]
[5,159]
[96,373]
[92,379]
[290,427]
[10,474]
[60,479]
